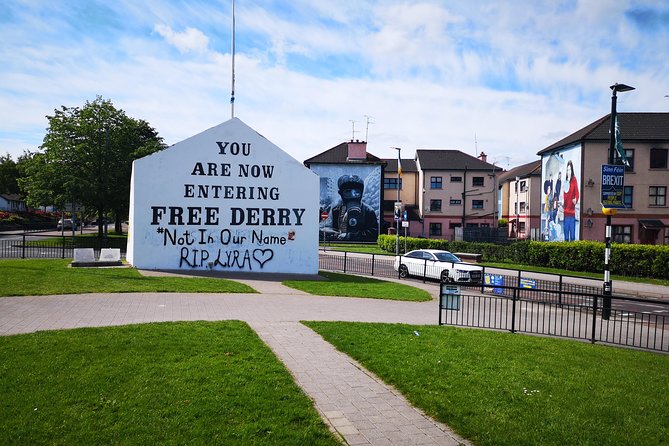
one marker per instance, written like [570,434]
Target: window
[521,227]
[435,228]
[522,207]
[477,204]
[628,195]
[435,205]
[477,181]
[454,225]
[456,179]
[456,202]
[657,196]
[523,186]
[629,154]
[658,158]
[621,234]
[435,183]
[391,183]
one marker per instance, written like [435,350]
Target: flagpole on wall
[232,94]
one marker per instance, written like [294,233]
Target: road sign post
[324,216]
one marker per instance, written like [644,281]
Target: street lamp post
[399,200]
[609,212]
[517,208]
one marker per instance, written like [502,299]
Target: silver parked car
[437,264]
[66,224]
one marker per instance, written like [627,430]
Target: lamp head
[621,88]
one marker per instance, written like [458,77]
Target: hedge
[650,261]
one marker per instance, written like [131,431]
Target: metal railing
[530,302]
[30,246]
[534,313]
[382,265]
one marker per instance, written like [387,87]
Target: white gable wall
[226,199]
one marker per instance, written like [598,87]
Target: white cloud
[190,40]
[431,74]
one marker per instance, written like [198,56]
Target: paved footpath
[352,401]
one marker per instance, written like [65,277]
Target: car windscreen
[446,257]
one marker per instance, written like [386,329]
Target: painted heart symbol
[262,256]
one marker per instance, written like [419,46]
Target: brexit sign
[613,186]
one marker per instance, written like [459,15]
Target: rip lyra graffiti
[235,258]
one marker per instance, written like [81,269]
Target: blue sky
[507,78]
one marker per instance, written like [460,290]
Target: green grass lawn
[505,389]
[168,383]
[30,277]
[354,247]
[356,286]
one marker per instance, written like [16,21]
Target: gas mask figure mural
[353,219]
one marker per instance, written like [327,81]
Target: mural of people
[548,207]
[559,219]
[351,218]
[571,197]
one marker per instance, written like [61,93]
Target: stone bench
[85,257]
[469,257]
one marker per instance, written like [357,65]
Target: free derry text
[211,216]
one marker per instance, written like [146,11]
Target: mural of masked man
[354,220]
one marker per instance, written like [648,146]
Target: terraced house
[571,179]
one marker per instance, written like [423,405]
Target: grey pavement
[352,401]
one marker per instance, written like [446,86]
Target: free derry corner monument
[226,199]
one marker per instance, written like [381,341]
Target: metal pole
[399,200]
[232,93]
[517,209]
[606,302]
[405,240]
[372,265]
[612,127]
[607,286]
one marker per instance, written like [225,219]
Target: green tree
[9,173]
[86,158]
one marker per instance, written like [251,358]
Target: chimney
[483,157]
[357,150]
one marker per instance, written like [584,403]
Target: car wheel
[404,271]
[445,277]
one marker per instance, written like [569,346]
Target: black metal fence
[528,302]
[504,281]
[30,246]
[534,313]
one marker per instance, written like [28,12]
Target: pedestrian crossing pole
[609,212]
[606,304]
